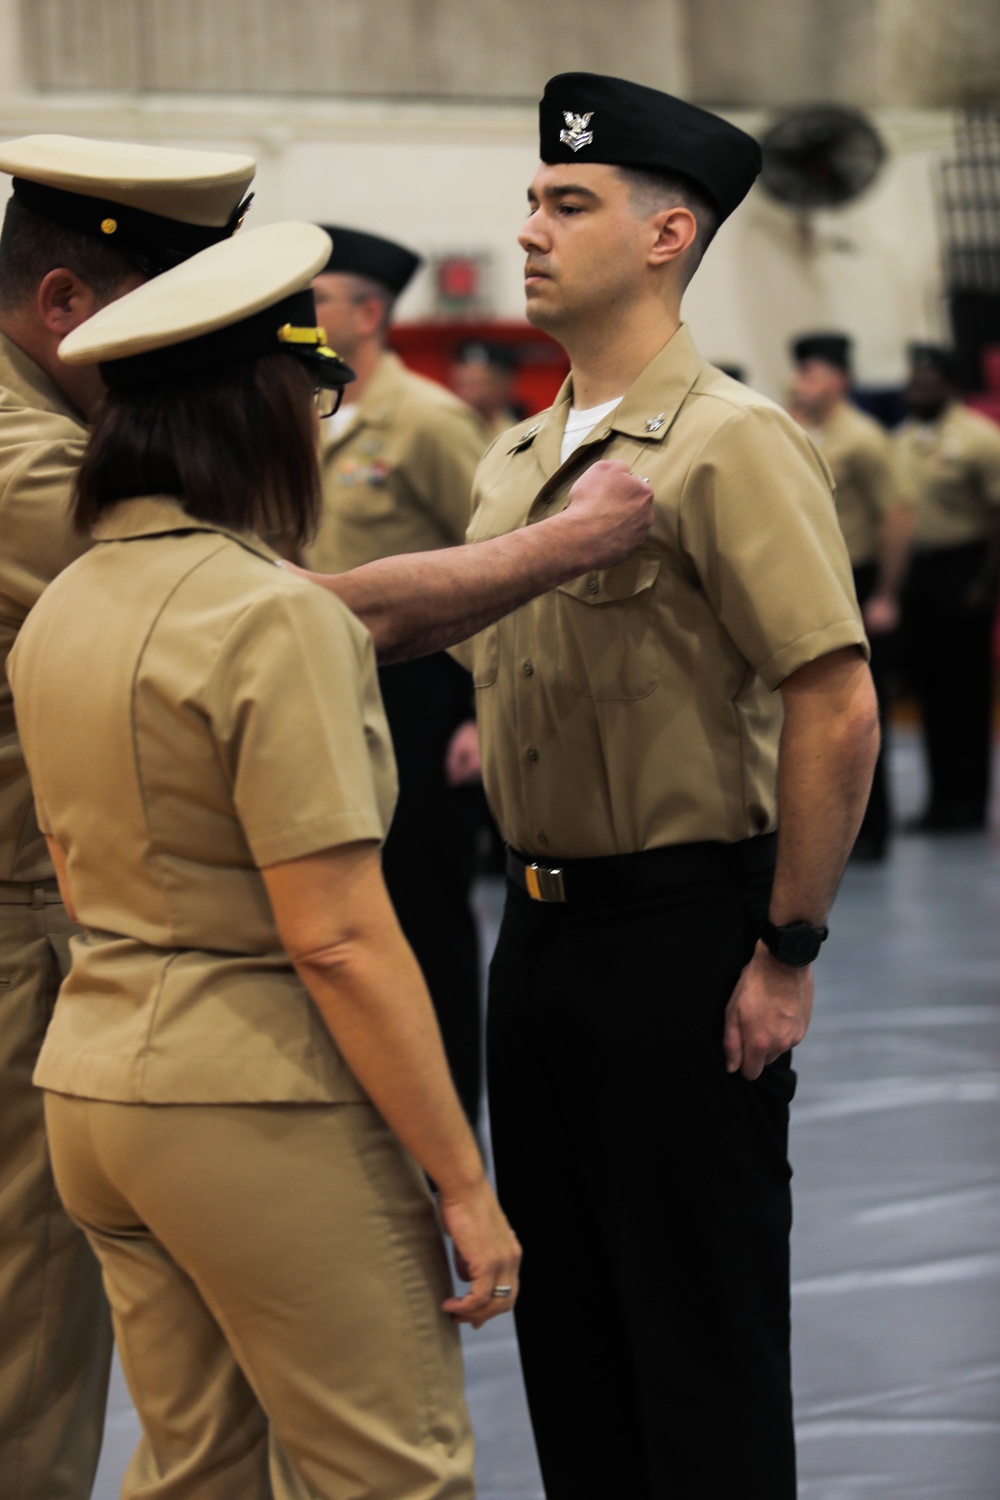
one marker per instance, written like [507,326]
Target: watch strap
[794,943]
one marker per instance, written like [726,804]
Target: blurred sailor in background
[876,517]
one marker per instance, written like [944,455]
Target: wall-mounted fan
[820,156]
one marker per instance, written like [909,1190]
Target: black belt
[618,875]
[37,893]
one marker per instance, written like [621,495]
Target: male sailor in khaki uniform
[875,517]
[87,221]
[397,478]
[648,983]
[950,462]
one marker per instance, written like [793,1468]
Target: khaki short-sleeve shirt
[859,453]
[399,477]
[951,468]
[42,439]
[636,707]
[190,713]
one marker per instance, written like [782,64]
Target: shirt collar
[162,515]
[19,373]
[648,408]
[646,411]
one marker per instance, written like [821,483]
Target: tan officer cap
[236,300]
[155,204]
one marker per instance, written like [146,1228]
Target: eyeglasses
[327,400]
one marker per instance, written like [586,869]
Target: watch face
[799,947]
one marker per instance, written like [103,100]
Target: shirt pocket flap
[612,585]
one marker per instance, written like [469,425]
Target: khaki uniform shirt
[952,469]
[636,707]
[42,439]
[191,712]
[399,478]
[859,453]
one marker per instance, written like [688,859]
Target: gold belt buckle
[544,883]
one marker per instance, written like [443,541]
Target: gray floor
[896,1248]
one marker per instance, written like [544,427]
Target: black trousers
[430,855]
[950,667]
[884,648]
[650,1190]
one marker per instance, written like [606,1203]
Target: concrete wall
[872,53]
[483,49]
[749,53]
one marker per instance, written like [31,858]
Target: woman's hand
[487,1254]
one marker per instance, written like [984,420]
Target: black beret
[936,357]
[589,117]
[481,352]
[832,348]
[361,254]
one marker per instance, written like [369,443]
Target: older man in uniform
[397,471]
[648,982]
[87,221]
[875,516]
[950,462]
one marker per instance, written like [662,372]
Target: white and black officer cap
[156,205]
[590,117]
[235,301]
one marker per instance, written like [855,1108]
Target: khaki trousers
[276,1275]
[55,1332]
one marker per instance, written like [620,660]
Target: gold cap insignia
[289,334]
[577,135]
[108,226]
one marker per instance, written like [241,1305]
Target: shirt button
[542,836]
[532,752]
[528,667]
[593,585]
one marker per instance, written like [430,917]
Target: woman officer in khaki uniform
[244,1046]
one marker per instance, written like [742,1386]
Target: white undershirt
[580,424]
[333,427]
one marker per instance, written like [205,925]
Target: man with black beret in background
[949,461]
[482,375]
[875,516]
[398,461]
[88,220]
[648,981]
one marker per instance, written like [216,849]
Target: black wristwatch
[796,943]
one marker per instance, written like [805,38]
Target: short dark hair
[31,247]
[236,447]
[650,192]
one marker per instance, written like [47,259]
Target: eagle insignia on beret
[577,134]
